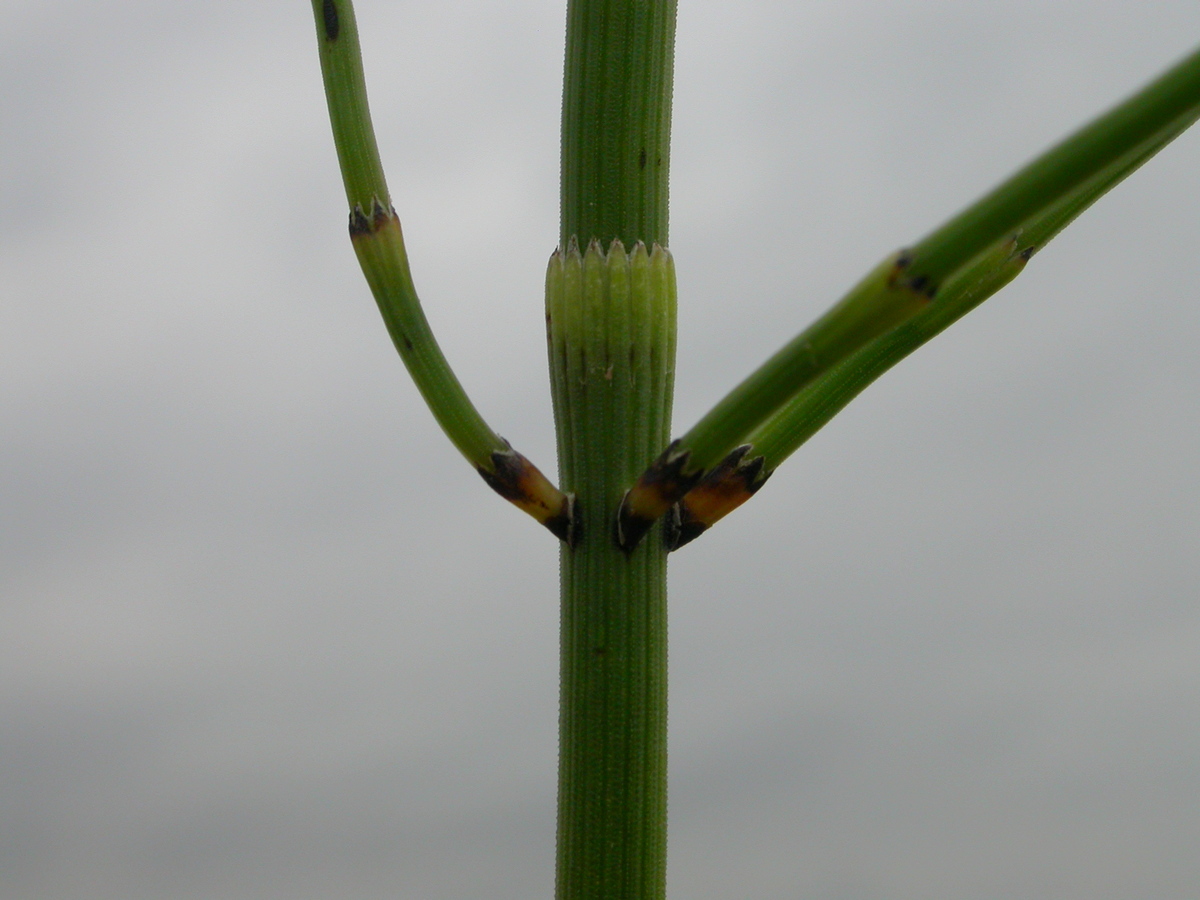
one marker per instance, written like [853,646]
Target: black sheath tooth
[359,223]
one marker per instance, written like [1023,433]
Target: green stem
[384,260]
[812,408]
[611,317]
[616,124]
[1058,172]
[879,303]
[379,245]
[876,305]
[800,418]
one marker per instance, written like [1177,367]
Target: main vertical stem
[616,121]
[611,318]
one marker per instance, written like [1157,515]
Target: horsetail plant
[627,497]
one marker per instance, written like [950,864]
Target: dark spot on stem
[380,214]
[734,481]
[681,528]
[922,285]
[658,488]
[359,223]
[505,479]
[332,25]
[601,651]
[566,525]
[518,480]
[642,159]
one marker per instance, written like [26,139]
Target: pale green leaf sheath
[1044,196]
[379,244]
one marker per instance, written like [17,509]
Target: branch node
[521,483]
[659,487]
[730,484]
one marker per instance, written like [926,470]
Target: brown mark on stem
[734,481]
[520,482]
[362,223]
[659,487]
[918,284]
[359,223]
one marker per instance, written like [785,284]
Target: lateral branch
[379,245]
[953,269]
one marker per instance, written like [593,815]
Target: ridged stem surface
[616,123]
[611,328]
[611,323]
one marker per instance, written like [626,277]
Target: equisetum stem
[616,125]
[806,413]
[1058,172]
[379,244]
[609,316]
[1052,178]
[611,328]
[877,304]
[740,476]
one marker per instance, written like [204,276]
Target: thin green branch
[878,304]
[744,472]
[1058,172]
[379,244]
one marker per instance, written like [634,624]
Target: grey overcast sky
[263,635]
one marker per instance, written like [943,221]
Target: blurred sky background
[264,635]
